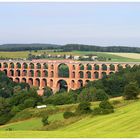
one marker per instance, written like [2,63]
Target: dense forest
[68,47]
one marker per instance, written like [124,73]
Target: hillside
[123,123]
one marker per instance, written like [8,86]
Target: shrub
[131,91]
[59,99]
[116,102]
[83,108]
[68,114]
[47,92]
[107,111]
[106,105]
[29,102]
[14,110]
[45,120]
[97,111]
[100,95]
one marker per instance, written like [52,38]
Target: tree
[31,102]
[83,108]
[68,114]
[47,92]
[45,120]
[131,91]
[105,105]
[100,95]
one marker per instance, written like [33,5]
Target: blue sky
[62,23]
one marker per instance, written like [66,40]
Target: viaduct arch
[43,73]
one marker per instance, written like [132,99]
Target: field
[124,122]
[115,57]
[128,55]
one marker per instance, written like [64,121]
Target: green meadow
[115,57]
[123,123]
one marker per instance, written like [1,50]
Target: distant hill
[68,47]
[26,47]
[80,47]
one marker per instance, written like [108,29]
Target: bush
[59,99]
[67,114]
[45,120]
[100,95]
[83,108]
[14,110]
[106,105]
[131,91]
[116,102]
[29,102]
[107,111]
[97,111]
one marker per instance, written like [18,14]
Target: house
[76,57]
[94,57]
[67,56]
[86,57]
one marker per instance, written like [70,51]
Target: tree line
[68,47]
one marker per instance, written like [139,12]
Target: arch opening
[81,67]
[37,82]
[72,84]
[45,73]
[17,73]
[5,65]
[62,86]
[80,83]
[31,73]
[11,65]
[96,75]
[18,65]
[88,74]
[104,67]
[73,74]
[112,67]
[38,66]
[104,74]
[45,66]
[81,74]
[38,73]
[25,66]
[63,71]
[44,83]
[24,73]
[31,66]
[11,73]
[96,67]
[89,67]
[23,80]
[30,81]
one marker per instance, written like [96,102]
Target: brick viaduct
[43,73]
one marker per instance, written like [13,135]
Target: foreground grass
[124,122]
[30,124]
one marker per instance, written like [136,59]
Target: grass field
[124,122]
[30,124]
[128,55]
[115,57]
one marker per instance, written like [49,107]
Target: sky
[104,24]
